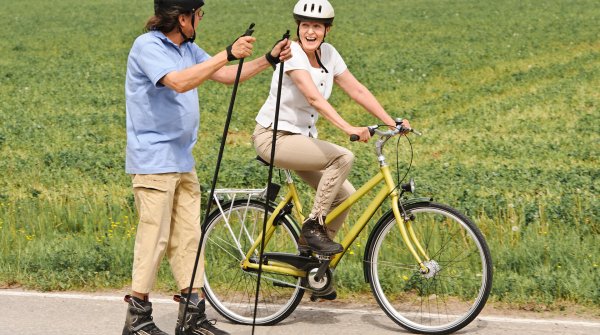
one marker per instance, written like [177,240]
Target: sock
[140,301]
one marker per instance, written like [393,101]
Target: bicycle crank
[320,279]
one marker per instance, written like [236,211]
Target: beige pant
[169,208]
[323,165]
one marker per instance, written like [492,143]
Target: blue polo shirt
[162,125]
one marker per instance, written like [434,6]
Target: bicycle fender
[384,218]
[405,202]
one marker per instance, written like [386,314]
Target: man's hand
[241,48]
[280,53]
[282,50]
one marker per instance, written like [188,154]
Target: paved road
[31,313]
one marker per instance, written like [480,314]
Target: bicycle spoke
[212,241]
[395,265]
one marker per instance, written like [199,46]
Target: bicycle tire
[456,291]
[231,290]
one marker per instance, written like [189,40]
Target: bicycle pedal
[329,296]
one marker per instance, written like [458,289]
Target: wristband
[272,60]
[230,56]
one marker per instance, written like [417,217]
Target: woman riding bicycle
[311,72]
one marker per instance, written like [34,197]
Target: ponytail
[165,20]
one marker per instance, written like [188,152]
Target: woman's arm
[359,93]
[303,81]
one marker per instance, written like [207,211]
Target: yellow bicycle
[428,265]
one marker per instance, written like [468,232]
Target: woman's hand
[405,125]
[362,132]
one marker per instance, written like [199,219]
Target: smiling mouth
[310,39]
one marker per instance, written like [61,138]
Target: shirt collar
[163,37]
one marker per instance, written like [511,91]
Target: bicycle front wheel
[456,287]
[230,233]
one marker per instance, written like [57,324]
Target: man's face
[185,20]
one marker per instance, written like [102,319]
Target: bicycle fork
[404,224]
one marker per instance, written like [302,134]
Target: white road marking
[488,318]
[76,296]
[589,324]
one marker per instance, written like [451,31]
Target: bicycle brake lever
[403,129]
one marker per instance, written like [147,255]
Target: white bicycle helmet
[314,10]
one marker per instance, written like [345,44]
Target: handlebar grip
[354,137]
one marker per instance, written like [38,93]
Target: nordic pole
[268,195]
[248,32]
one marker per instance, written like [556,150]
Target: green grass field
[506,94]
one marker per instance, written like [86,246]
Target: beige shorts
[169,222]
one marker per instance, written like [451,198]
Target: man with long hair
[164,69]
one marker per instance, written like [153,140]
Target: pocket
[150,181]
[152,197]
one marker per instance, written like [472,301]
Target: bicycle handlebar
[400,129]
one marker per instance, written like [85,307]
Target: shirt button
[312,115]
[322,84]
[309,127]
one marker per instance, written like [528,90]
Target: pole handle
[250,30]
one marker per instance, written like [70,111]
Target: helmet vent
[307,10]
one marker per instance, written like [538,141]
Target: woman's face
[312,35]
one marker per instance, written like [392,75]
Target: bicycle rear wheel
[230,289]
[457,286]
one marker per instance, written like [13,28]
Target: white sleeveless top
[296,115]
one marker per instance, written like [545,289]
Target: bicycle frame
[406,231]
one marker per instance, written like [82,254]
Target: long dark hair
[165,20]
